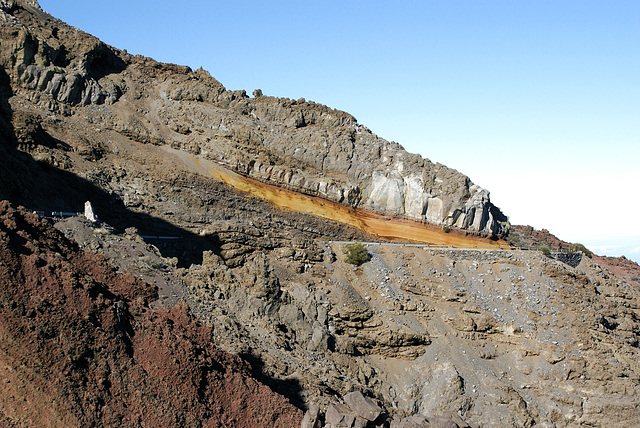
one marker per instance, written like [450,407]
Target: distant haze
[535,101]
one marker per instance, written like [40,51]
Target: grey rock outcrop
[327,153]
[296,144]
[70,75]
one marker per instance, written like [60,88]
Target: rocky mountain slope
[416,337]
[297,144]
[81,347]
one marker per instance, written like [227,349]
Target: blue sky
[537,101]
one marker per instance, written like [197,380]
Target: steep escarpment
[62,67]
[417,336]
[81,347]
[292,143]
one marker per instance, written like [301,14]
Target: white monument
[88,212]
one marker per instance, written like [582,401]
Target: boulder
[89,213]
[339,415]
[362,406]
[311,417]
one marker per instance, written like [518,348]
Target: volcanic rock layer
[293,143]
[416,336]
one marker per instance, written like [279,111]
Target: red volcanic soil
[622,267]
[79,346]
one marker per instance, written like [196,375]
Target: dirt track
[376,224]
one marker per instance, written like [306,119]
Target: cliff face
[301,145]
[414,337]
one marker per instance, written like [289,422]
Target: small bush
[580,247]
[446,229]
[545,250]
[356,254]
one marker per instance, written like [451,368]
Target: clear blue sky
[537,101]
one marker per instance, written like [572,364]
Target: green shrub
[446,229]
[356,254]
[545,250]
[580,247]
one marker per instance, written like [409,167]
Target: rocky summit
[213,288]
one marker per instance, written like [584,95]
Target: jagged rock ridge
[301,145]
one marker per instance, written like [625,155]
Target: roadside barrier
[56,214]
[449,247]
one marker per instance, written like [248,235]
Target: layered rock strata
[415,336]
[294,143]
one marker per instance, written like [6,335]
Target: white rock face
[434,212]
[387,193]
[375,174]
[415,198]
[443,196]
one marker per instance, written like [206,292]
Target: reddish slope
[621,267]
[80,347]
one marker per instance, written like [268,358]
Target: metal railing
[452,247]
